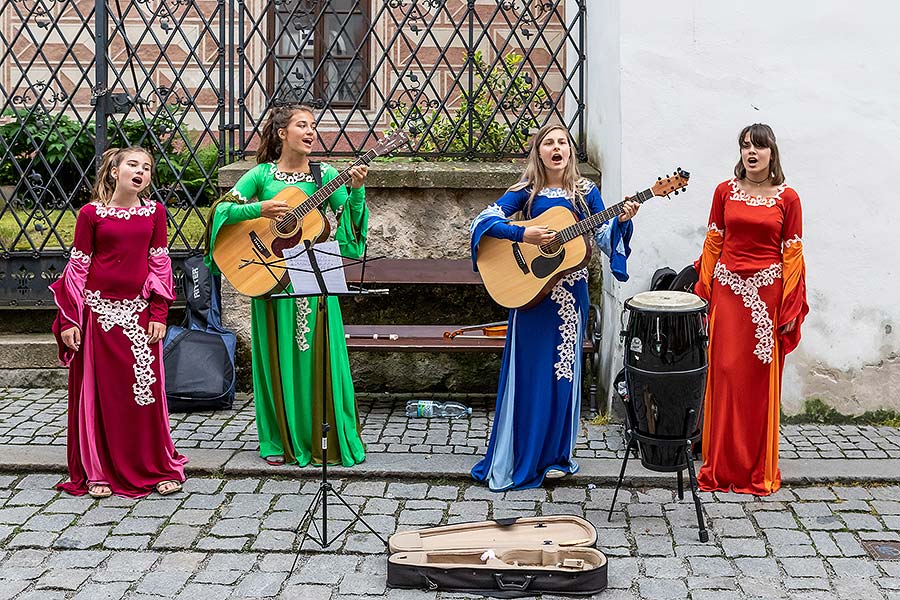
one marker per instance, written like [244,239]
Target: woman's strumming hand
[538,234]
[273,209]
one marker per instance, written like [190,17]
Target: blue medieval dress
[538,410]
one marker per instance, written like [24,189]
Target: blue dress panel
[539,395]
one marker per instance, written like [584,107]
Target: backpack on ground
[199,355]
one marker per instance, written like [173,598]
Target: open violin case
[510,558]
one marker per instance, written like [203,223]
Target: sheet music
[330,262]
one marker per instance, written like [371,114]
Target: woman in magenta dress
[113,299]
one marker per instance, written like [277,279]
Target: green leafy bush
[67,152]
[492,134]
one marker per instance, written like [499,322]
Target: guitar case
[509,558]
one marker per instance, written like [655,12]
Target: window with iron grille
[322,52]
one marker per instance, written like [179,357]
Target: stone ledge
[28,351]
[421,174]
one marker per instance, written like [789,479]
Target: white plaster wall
[685,77]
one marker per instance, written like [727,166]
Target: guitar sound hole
[551,247]
[286,225]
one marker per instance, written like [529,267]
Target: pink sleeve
[68,290]
[158,288]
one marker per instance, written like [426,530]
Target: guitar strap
[315,169]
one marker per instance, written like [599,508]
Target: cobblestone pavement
[236,539]
[37,416]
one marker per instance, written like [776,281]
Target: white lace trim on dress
[159,251]
[748,290]
[740,195]
[124,213]
[794,240]
[568,328]
[301,335]
[125,314]
[290,178]
[78,255]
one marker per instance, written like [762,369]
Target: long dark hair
[762,136]
[279,118]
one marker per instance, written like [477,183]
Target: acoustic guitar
[519,275]
[251,253]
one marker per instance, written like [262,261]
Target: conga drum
[665,373]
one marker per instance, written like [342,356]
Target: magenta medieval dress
[118,279]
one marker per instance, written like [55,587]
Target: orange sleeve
[712,245]
[793,299]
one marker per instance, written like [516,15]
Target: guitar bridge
[258,244]
[520,260]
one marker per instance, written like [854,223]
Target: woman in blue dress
[539,396]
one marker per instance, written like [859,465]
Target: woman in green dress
[287,370]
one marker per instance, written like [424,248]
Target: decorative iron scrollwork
[39,92]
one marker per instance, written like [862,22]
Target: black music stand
[325,487]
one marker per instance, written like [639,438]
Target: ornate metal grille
[191,81]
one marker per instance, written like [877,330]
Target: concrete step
[29,360]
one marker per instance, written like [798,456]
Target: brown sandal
[99,490]
[175,486]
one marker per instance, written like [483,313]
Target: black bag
[199,355]
[665,278]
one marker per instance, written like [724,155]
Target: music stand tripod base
[684,447]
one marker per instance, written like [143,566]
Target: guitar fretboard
[322,194]
[595,220]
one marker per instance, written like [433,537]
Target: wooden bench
[432,338]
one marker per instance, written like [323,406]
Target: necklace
[747,177]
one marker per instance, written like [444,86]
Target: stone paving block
[102,591]
[163,583]
[700,585]
[733,527]
[407,491]
[772,520]
[63,579]
[848,543]
[80,538]
[807,583]
[443,492]
[37,481]
[711,567]
[790,551]
[11,588]
[850,506]
[421,518]
[858,522]
[177,537]
[127,542]
[18,515]
[152,507]
[307,592]
[274,541]
[247,505]
[202,485]
[358,584]
[101,515]
[259,585]
[654,545]
[204,591]
[325,569]
[661,589]
[137,525]
[180,561]
[205,501]
[665,568]
[855,587]
[830,523]
[803,567]
[31,539]
[854,567]
[741,547]
[815,493]
[235,544]
[218,577]
[786,537]
[32,497]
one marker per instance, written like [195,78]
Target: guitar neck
[322,194]
[597,219]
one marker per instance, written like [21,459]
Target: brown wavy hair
[535,174]
[762,136]
[106,183]
[279,118]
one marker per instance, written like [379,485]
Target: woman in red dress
[753,275]
[113,299]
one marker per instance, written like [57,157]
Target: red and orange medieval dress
[117,280]
[753,275]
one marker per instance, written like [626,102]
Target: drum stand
[634,441]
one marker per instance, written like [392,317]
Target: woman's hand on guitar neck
[538,234]
[628,211]
[358,175]
[273,209]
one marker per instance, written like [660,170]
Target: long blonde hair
[105,185]
[535,174]
[279,118]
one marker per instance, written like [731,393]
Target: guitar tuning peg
[659,178]
[676,192]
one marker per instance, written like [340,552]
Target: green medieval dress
[287,370]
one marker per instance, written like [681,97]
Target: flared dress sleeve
[233,207]
[158,287]
[352,215]
[495,221]
[68,290]
[712,244]
[793,298]
[613,237]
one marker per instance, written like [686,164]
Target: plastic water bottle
[430,408]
